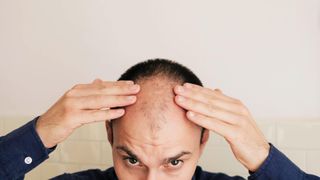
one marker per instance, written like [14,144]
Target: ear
[109,132]
[204,141]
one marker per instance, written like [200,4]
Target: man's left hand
[227,117]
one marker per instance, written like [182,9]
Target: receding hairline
[169,70]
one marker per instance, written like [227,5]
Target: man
[158,129]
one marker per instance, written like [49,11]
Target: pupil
[175,162]
[132,161]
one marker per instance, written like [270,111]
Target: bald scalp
[155,100]
[155,106]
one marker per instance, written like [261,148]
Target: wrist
[43,133]
[260,157]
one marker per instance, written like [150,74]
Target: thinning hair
[163,68]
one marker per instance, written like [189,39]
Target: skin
[227,117]
[161,121]
[84,104]
[154,139]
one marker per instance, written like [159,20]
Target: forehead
[155,118]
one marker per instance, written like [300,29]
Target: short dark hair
[165,67]
[161,67]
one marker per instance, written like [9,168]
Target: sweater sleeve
[278,166]
[21,151]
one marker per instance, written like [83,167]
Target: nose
[152,175]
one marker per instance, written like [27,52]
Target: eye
[131,161]
[175,163]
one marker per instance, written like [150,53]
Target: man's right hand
[83,104]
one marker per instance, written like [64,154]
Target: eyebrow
[166,160]
[128,151]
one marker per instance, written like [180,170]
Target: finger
[118,82]
[207,110]
[208,91]
[123,89]
[102,101]
[102,115]
[96,81]
[99,83]
[209,99]
[211,123]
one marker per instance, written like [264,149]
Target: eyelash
[128,158]
[180,162]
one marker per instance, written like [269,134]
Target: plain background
[263,52]
[266,53]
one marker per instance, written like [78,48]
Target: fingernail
[180,98]
[180,89]
[131,98]
[187,85]
[97,80]
[191,114]
[134,87]
[119,111]
[129,82]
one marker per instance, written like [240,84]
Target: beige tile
[298,157]
[303,134]
[106,154]
[55,155]
[268,128]
[94,131]
[80,152]
[221,160]
[12,123]
[313,161]
[35,174]
[1,127]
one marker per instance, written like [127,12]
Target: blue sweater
[22,150]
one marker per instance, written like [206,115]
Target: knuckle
[70,92]
[237,101]
[244,111]
[100,86]
[75,86]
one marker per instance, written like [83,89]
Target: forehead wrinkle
[136,141]
[144,150]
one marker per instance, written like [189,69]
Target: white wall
[263,52]
[266,53]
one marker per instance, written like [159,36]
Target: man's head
[154,139]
